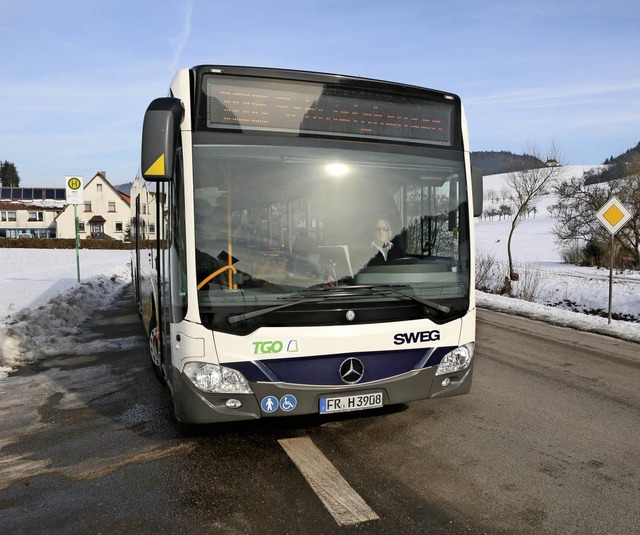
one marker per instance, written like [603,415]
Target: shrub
[528,286]
[574,254]
[62,243]
[485,265]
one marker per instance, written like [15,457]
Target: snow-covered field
[42,306]
[561,289]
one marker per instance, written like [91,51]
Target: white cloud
[557,94]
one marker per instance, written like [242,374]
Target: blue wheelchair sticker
[269,404]
[288,402]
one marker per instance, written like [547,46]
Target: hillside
[620,166]
[496,162]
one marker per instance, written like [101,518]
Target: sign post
[613,216]
[74,196]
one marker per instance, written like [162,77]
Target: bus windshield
[274,222]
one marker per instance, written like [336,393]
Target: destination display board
[246,104]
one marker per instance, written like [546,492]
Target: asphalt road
[547,442]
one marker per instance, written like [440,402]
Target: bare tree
[526,187]
[577,205]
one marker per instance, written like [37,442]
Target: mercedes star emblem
[351,370]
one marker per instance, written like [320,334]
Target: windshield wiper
[340,291]
[426,302]
[237,318]
[344,291]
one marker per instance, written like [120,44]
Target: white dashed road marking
[345,504]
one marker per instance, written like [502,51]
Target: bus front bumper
[193,406]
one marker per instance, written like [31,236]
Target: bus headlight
[456,360]
[216,379]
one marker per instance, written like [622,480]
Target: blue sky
[77,76]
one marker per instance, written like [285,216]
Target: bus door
[136,230]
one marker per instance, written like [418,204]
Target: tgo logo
[267,347]
[270,347]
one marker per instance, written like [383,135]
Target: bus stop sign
[74,189]
[613,215]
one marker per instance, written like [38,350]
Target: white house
[23,219]
[104,214]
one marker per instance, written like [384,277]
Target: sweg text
[413,338]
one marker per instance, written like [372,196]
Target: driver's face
[381,232]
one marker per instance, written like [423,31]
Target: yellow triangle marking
[157,168]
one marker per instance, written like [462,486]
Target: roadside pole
[77,227]
[74,196]
[613,216]
[611,255]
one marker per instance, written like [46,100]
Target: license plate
[356,402]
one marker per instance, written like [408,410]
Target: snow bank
[49,329]
[30,277]
[625,330]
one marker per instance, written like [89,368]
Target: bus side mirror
[476,186]
[159,138]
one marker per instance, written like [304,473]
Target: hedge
[62,243]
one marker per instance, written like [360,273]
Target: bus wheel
[154,349]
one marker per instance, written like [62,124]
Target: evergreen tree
[9,176]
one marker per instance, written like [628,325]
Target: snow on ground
[31,277]
[561,289]
[45,302]
[42,306]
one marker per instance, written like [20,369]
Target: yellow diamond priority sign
[613,215]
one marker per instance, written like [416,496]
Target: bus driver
[386,249]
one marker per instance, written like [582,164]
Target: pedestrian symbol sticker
[269,404]
[288,402]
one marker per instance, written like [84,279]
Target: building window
[112,207]
[118,226]
[80,226]
[98,187]
[87,206]
[9,216]
[152,228]
[36,216]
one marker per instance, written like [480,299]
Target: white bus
[304,243]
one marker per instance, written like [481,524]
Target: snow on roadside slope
[42,286]
[625,330]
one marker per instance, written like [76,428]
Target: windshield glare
[272,221]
